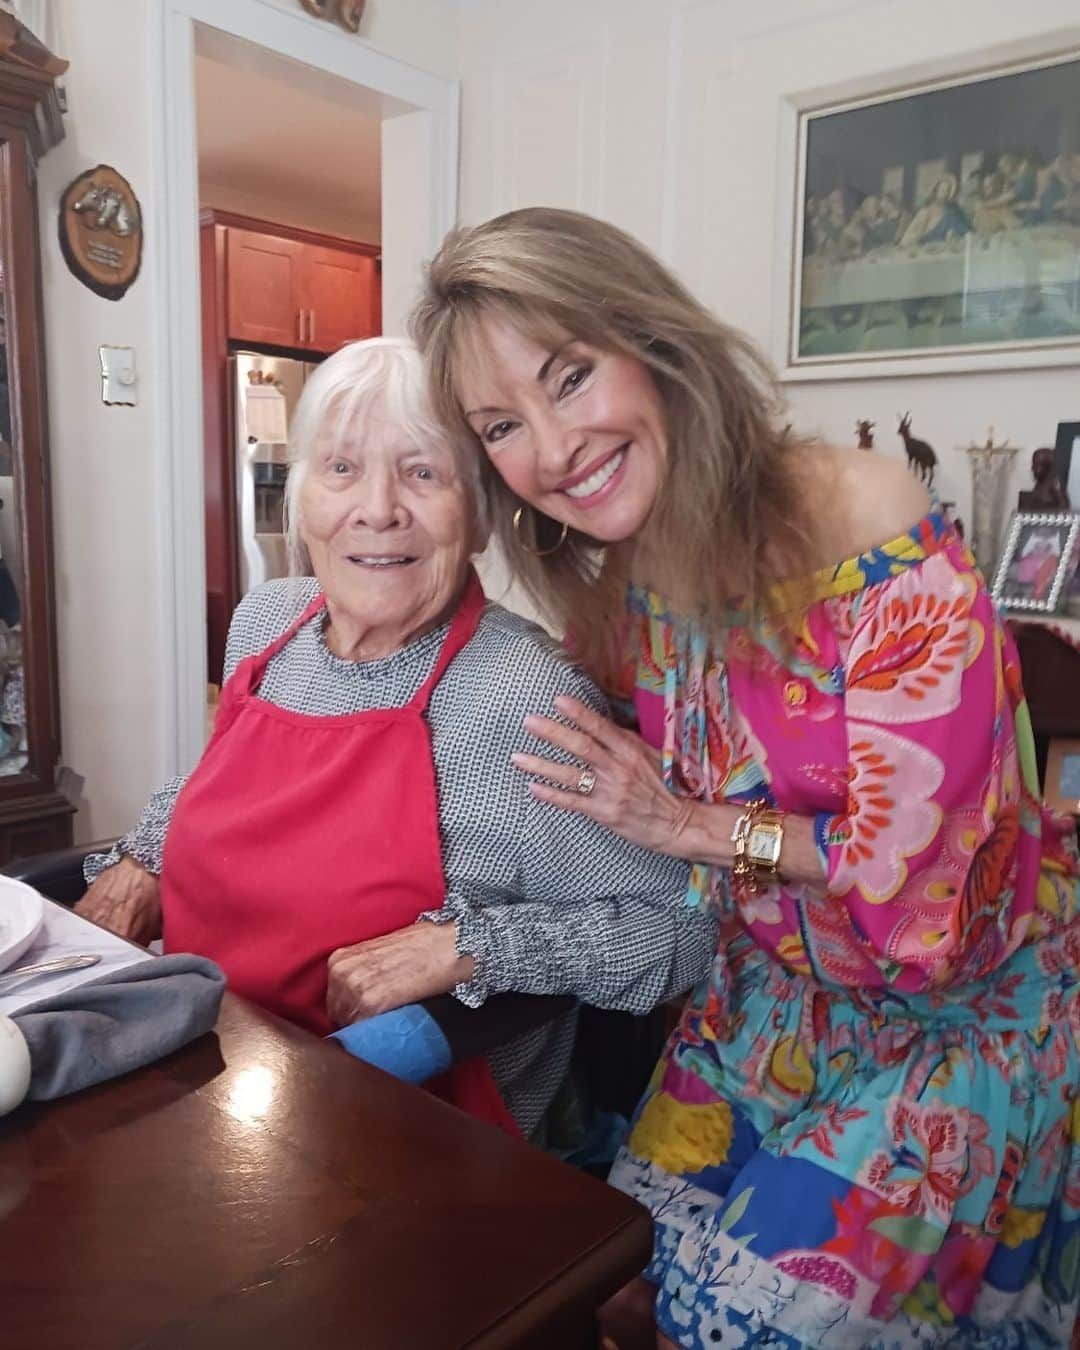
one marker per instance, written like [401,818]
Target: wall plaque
[101,231]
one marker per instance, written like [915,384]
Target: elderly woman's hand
[617,781]
[387,972]
[125,899]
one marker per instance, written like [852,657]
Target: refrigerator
[265,391]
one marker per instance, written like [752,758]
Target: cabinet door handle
[300,324]
[311,325]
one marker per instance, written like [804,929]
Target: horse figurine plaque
[101,231]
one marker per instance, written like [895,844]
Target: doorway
[290,198]
[417,119]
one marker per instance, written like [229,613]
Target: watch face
[764,844]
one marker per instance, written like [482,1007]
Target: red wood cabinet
[283,292]
[338,297]
[265,287]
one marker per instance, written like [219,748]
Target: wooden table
[262,1189]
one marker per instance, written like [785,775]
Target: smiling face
[387,525]
[576,432]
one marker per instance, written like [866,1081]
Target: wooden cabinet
[34,816]
[265,288]
[286,292]
[337,293]
[264,291]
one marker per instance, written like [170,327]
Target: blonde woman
[861,1133]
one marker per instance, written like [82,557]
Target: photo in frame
[1037,561]
[942,220]
[1062,790]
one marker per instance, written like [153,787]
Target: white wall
[306,213]
[108,481]
[418,31]
[406,206]
[287,152]
[103,471]
[663,116]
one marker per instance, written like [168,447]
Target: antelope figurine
[920,456]
[865,432]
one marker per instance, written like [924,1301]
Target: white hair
[385,373]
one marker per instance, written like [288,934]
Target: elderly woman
[359,776]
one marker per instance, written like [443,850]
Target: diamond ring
[586,782]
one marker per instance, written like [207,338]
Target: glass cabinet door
[13,742]
[35,814]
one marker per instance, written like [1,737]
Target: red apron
[296,835]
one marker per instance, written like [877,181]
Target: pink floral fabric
[866,1129]
[897,719]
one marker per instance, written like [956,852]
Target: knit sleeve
[146,842]
[591,915]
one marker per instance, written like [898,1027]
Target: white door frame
[173,231]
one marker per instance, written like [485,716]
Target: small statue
[350,12]
[1049,492]
[920,456]
[865,432]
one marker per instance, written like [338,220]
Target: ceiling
[275,142]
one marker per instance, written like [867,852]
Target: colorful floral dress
[865,1130]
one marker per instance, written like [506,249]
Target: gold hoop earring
[538,552]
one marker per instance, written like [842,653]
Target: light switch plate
[118,377]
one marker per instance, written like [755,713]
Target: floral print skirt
[843,1168]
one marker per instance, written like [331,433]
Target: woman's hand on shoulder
[615,779]
[388,972]
[125,899]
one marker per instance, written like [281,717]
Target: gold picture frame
[938,222]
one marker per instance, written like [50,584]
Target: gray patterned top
[546,901]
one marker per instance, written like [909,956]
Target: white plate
[22,912]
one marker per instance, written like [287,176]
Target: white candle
[14,1066]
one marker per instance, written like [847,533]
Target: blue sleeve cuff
[407,1043]
[824,837]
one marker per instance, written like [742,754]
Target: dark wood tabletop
[261,1188]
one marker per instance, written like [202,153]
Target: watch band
[750,870]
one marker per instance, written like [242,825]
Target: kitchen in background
[289,177]
[264,391]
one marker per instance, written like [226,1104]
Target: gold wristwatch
[758,838]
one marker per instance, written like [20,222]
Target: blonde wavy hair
[727,523]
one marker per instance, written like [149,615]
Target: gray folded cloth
[118,1023]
